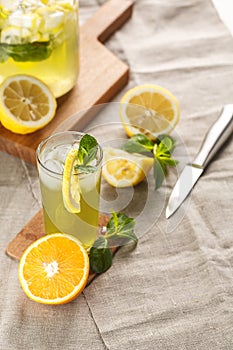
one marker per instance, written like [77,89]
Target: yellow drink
[51,155]
[41,40]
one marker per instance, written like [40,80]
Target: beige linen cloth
[175,291]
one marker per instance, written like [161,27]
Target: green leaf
[138,143]
[120,226]
[85,168]
[163,164]
[120,229]
[168,161]
[166,145]
[100,255]
[86,156]
[3,55]
[159,173]
[88,148]
[30,52]
[90,155]
[162,152]
[112,224]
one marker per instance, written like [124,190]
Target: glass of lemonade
[51,155]
[40,38]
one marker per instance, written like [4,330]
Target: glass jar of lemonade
[40,38]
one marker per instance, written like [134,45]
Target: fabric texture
[175,290]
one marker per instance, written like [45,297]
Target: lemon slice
[70,183]
[26,104]
[123,169]
[149,109]
[15,35]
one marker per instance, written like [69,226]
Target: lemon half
[26,104]
[123,169]
[149,109]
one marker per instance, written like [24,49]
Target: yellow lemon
[123,169]
[26,104]
[70,183]
[149,109]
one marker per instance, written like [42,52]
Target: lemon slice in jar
[14,35]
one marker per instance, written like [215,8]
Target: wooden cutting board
[34,230]
[102,75]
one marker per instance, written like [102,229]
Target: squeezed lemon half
[123,169]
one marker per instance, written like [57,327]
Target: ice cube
[10,5]
[52,19]
[24,20]
[57,153]
[54,165]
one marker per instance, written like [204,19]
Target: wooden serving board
[34,230]
[102,75]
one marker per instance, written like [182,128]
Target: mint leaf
[120,226]
[162,152]
[166,145]
[88,148]
[3,55]
[120,229]
[138,143]
[85,168]
[90,155]
[87,151]
[159,173]
[100,255]
[168,161]
[30,52]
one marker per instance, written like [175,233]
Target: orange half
[54,269]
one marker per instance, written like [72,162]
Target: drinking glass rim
[69,132]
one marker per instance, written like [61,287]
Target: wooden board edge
[111,16]
[85,117]
[33,230]
[29,154]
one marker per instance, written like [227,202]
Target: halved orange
[54,269]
